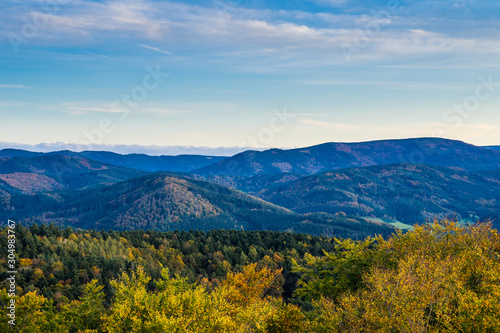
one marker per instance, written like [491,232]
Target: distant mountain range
[331,156]
[493,147]
[181,163]
[329,189]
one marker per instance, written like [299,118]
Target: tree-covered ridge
[334,155]
[436,278]
[68,172]
[404,192]
[69,189]
[32,185]
[165,202]
[179,163]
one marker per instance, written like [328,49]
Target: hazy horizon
[161,150]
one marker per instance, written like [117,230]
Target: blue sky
[245,73]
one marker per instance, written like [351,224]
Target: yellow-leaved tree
[239,304]
[437,278]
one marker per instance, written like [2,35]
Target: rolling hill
[37,184]
[330,156]
[404,192]
[252,184]
[55,172]
[305,190]
[180,163]
[168,202]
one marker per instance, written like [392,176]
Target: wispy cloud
[155,49]
[336,126]
[389,84]
[84,110]
[14,86]
[334,3]
[163,111]
[230,70]
[275,34]
[7,104]
[469,131]
[99,55]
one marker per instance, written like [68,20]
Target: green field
[395,223]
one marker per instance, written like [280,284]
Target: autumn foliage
[441,277]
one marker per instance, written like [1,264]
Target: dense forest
[404,192]
[166,202]
[441,277]
[57,262]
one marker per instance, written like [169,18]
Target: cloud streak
[13,86]
[155,49]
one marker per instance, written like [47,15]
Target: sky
[221,76]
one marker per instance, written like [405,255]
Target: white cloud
[155,49]
[163,111]
[324,124]
[389,84]
[14,86]
[84,110]
[7,104]
[281,38]
[88,20]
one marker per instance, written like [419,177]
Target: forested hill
[454,179]
[330,156]
[34,174]
[169,202]
[405,192]
[180,163]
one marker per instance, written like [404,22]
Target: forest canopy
[441,277]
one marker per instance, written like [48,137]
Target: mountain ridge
[493,147]
[373,180]
[405,192]
[69,172]
[143,162]
[165,201]
[330,156]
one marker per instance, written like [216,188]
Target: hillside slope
[405,192]
[168,202]
[55,172]
[330,156]
[252,184]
